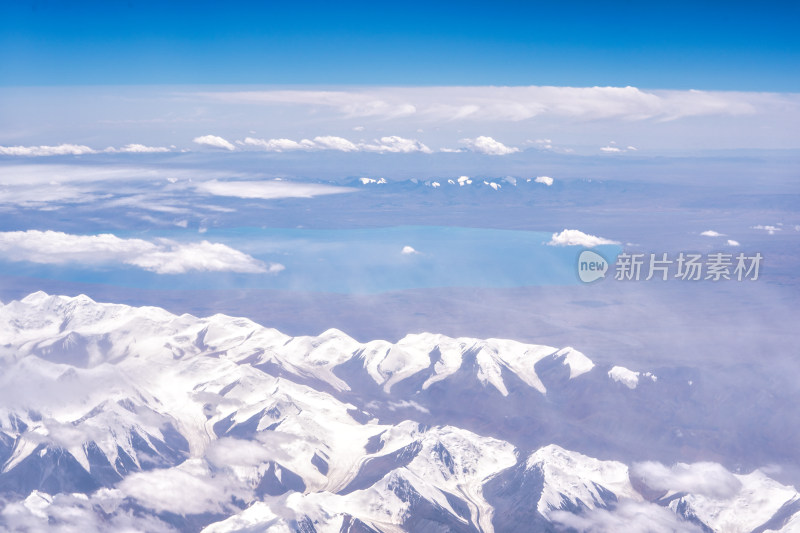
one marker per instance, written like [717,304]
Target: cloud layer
[141,149]
[629,516]
[33,151]
[162,256]
[391,144]
[506,103]
[268,190]
[78,149]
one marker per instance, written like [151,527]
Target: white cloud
[230,452]
[547,180]
[268,190]
[401,404]
[509,103]
[274,268]
[623,375]
[711,233]
[142,149]
[214,142]
[731,242]
[204,256]
[182,490]
[704,478]
[629,516]
[397,144]
[280,145]
[65,435]
[331,142]
[68,513]
[33,151]
[487,145]
[612,148]
[391,143]
[573,237]
[408,250]
[162,256]
[404,404]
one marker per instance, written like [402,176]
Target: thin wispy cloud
[162,256]
[509,103]
[268,190]
[612,148]
[51,193]
[770,229]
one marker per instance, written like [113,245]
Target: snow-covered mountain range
[119,418]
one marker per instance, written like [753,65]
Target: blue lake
[356,260]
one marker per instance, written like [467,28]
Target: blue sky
[680,45]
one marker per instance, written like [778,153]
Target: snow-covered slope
[82,333]
[115,417]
